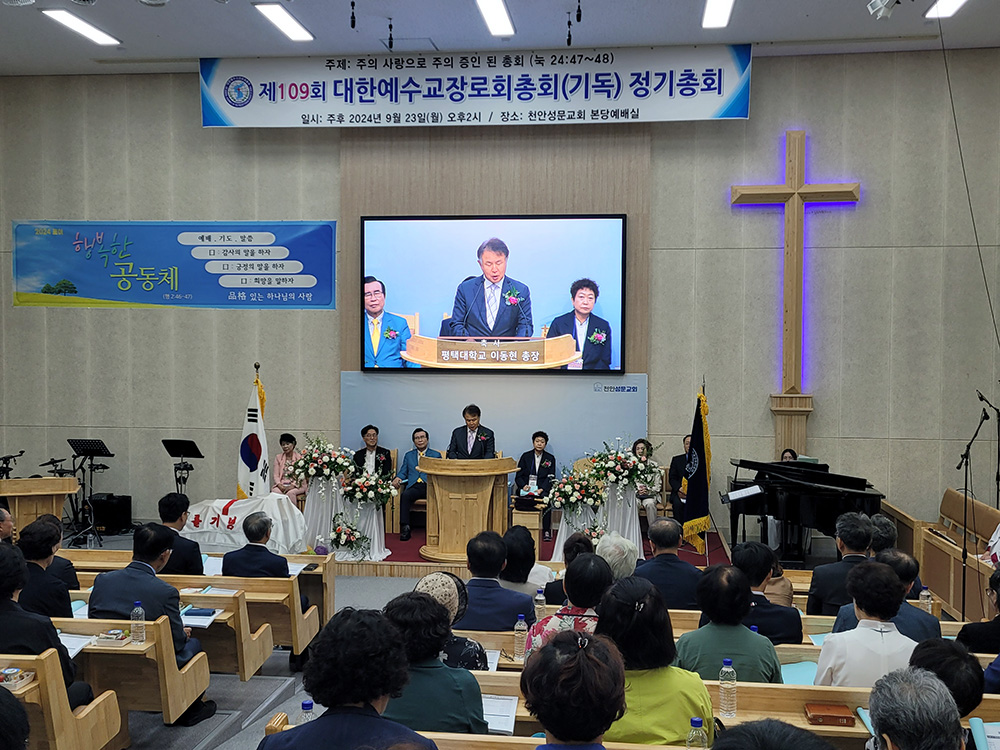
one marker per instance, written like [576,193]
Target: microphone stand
[965,519]
[997,412]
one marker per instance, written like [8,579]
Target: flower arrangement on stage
[369,488]
[594,532]
[345,535]
[619,466]
[575,491]
[322,460]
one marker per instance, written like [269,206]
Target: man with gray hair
[6,527]
[828,587]
[911,709]
[675,578]
[255,560]
[620,554]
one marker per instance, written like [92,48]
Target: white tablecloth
[621,515]
[322,496]
[217,525]
[324,500]
[571,522]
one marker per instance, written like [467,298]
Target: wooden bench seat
[53,725]
[144,676]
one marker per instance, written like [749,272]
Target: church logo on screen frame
[238,91]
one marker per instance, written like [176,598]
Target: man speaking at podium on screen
[493,304]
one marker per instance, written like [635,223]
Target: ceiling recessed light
[717,14]
[17,3]
[81,27]
[944,8]
[497,19]
[285,22]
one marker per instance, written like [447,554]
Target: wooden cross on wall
[794,194]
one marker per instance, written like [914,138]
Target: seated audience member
[675,478]
[521,572]
[436,698]
[28,633]
[779,589]
[828,587]
[911,621]
[984,637]
[449,590]
[575,544]
[358,663]
[43,594]
[856,658]
[587,578]
[789,454]
[675,578]
[647,488]
[283,462]
[575,687]
[416,480]
[776,623]
[660,698]
[6,527]
[958,669]
[911,709]
[884,537]
[620,553]
[255,560]
[769,734]
[473,441]
[535,471]
[724,596]
[491,607]
[61,568]
[185,559]
[14,727]
[373,458]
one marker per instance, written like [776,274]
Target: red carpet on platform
[409,551]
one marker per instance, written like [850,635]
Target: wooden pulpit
[30,498]
[463,498]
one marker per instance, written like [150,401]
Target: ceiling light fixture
[153,3]
[81,27]
[85,2]
[17,3]
[497,19]
[882,8]
[944,8]
[717,13]
[285,21]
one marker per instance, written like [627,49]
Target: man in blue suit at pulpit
[385,334]
[493,304]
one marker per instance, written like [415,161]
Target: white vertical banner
[251,476]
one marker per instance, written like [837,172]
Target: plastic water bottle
[520,637]
[138,623]
[307,713]
[753,628]
[926,600]
[697,736]
[539,605]
[727,689]
[91,541]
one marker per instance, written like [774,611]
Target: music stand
[182,449]
[88,450]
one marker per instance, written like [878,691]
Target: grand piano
[798,494]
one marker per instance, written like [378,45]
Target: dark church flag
[697,475]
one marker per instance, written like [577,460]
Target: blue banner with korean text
[646,84]
[221,264]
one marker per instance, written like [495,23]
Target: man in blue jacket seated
[116,592]
[591,332]
[416,481]
[911,621]
[358,664]
[491,607]
[778,624]
[675,578]
[255,560]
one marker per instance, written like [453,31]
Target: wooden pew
[144,676]
[273,601]
[53,725]
[317,585]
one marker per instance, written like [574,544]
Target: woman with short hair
[450,590]
[587,578]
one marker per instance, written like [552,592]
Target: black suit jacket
[828,587]
[115,593]
[981,637]
[526,467]
[675,578]
[778,624]
[30,634]
[483,447]
[555,593]
[63,569]
[254,561]
[383,461]
[185,558]
[44,594]
[595,356]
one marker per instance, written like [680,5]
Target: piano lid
[796,473]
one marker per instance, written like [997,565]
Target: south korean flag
[253,467]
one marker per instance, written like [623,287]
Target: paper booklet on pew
[198,618]
[499,710]
[213,566]
[492,659]
[75,643]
